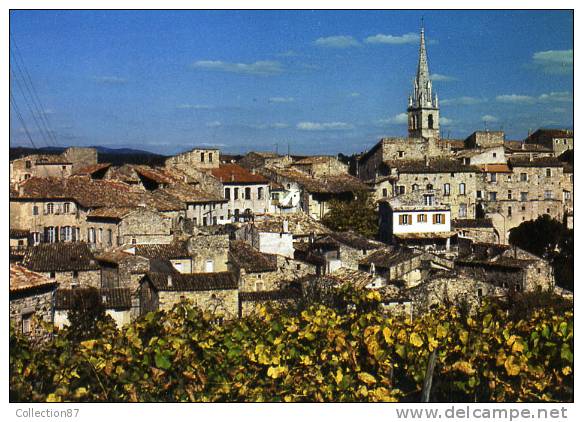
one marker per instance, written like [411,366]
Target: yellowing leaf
[512,366]
[338,376]
[464,336]
[276,371]
[367,378]
[441,331]
[416,340]
[387,335]
[465,367]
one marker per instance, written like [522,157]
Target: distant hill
[116,156]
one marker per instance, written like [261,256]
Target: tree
[358,215]
[549,239]
[86,312]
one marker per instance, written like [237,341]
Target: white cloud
[515,99]
[113,80]
[260,68]
[488,118]
[400,118]
[277,125]
[216,123]
[444,121]
[561,97]
[463,101]
[312,126]
[288,53]
[354,94]
[441,78]
[281,99]
[337,41]
[409,38]
[551,97]
[194,107]
[554,61]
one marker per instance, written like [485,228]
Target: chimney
[169,280]
[530,157]
[232,177]
[253,170]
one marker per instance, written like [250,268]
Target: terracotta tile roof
[270,295]
[519,146]
[316,159]
[48,257]
[192,282]
[353,240]
[22,278]
[112,298]
[495,168]
[113,257]
[19,233]
[454,144]
[125,173]
[389,257]
[111,212]
[162,201]
[440,165]
[299,224]
[87,192]
[235,174]
[472,223]
[94,168]
[174,250]
[551,133]
[535,162]
[341,183]
[359,279]
[190,194]
[250,259]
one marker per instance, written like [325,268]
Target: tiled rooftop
[22,278]
[48,257]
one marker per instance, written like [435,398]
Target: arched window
[415,187]
[430,121]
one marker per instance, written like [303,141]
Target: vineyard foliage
[320,354]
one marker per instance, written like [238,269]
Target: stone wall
[37,304]
[66,279]
[485,139]
[202,158]
[207,248]
[223,303]
[80,157]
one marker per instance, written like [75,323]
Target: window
[438,218]
[298,266]
[35,210]
[100,235]
[524,196]
[517,287]
[494,155]
[446,189]
[405,220]
[401,154]
[36,238]
[236,193]
[428,199]
[462,188]
[215,221]
[509,211]
[134,241]
[50,235]
[75,277]
[27,322]
[202,157]
[415,187]
[67,207]
[429,186]
[549,173]
[492,196]
[109,237]
[480,293]
[492,177]
[463,212]
[52,274]
[91,235]
[523,208]
[210,157]
[260,193]
[50,208]
[422,218]
[523,177]
[28,164]
[204,221]
[479,194]
[227,193]
[509,177]
[509,194]
[247,193]
[567,195]
[430,121]
[258,286]
[548,194]
[385,193]
[66,234]
[400,190]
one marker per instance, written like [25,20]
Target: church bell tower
[423,108]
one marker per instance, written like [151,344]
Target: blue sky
[322,81]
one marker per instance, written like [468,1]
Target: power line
[17,111]
[32,91]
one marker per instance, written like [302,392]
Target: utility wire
[32,90]
[17,111]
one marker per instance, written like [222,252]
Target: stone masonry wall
[39,303]
[220,302]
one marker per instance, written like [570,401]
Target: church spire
[423,106]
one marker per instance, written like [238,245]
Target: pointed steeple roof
[422,67]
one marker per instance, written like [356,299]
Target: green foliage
[317,355]
[358,215]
